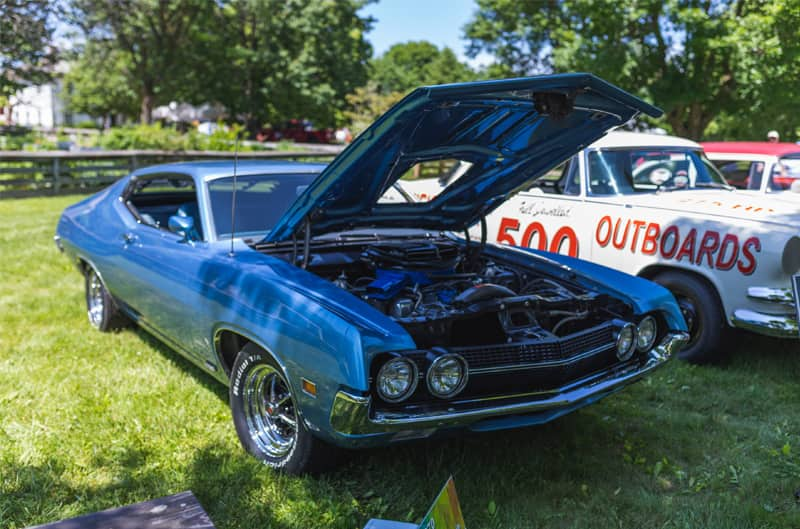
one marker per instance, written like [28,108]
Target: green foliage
[100,82]
[698,60]
[90,421]
[26,52]
[366,104]
[407,66]
[274,60]
[159,137]
[150,43]
[29,141]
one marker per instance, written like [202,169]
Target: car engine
[448,294]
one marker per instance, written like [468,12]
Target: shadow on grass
[184,364]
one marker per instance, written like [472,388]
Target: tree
[406,66]
[155,37]
[26,53]
[366,104]
[281,59]
[697,59]
[100,83]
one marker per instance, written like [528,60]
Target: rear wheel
[701,309]
[100,307]
[266,417]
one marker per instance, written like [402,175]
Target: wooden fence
[53,172]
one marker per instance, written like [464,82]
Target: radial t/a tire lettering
[267,419]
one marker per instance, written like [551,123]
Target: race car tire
[703,313]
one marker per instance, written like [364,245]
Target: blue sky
[437,21]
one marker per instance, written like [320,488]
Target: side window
[738,173]
[153,199]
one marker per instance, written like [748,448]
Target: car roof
[752,147]
[209,170]
[642,139]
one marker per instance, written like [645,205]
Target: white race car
[655,206]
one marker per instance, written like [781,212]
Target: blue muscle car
[342,314]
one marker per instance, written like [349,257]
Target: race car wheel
[701,309]
[267,419]
[100,307]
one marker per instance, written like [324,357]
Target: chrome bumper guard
[778,325]
[350,414]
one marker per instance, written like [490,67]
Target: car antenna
[233,194]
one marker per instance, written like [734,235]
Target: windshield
[786,171]
[260,201]
[628,171]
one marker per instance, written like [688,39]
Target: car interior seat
[189,209]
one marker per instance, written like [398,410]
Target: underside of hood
[510,132]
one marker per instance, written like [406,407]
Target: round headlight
[397,379]
[626,341]
[646,333]
[447,376]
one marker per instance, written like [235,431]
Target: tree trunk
[148,101]
[689,121]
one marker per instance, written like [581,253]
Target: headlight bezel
[625,355]
[412,387]
[648,345]
[437,362]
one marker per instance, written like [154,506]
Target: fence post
[56,175]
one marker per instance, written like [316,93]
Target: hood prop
[306,243]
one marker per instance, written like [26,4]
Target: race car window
[153,199]
[261,200]
[785,173]
[628,171]
[742,174]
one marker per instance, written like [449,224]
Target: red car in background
[756,165]
[297,130]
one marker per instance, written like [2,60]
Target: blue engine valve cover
[388,283]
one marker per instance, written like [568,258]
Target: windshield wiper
[715,185]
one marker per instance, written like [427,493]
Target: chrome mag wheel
[95,299]
[269,411]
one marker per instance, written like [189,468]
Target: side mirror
[183,226]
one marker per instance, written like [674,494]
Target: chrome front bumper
[782,325]
[350,414]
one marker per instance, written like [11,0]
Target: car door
[551,215]
[163,270]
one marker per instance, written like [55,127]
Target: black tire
[103,313]
[267,421]
[701,309]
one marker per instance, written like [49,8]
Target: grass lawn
[90,421]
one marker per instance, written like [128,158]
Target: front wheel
[266,417]
[701,309]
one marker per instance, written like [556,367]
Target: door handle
[129,238]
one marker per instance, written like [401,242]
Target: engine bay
[446,293]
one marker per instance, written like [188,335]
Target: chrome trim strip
[777,325]
[546,363]
[796,294]
[774,295]
[350,414]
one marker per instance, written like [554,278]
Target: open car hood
[512,131]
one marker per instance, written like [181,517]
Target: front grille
[547,350]
[516,368]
